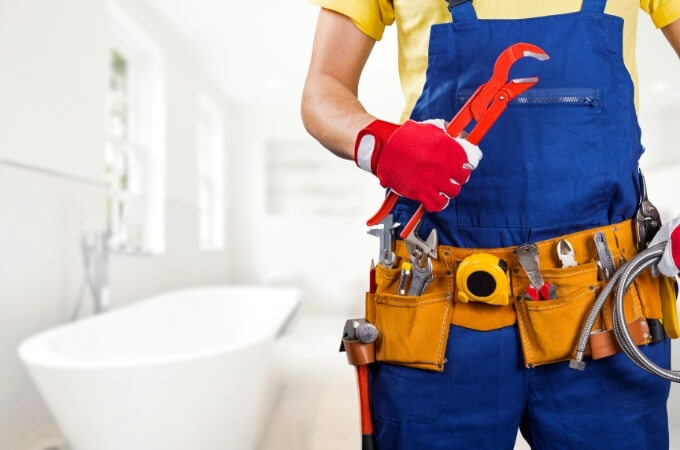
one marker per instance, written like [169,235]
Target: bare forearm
[331,111]
[672,33]
[332,114]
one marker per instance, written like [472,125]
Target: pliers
[484,107]
[527,255]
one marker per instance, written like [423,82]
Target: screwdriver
[404,277]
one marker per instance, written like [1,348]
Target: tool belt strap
[480,316]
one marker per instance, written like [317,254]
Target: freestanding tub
[186,370]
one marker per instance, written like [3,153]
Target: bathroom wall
[52,130]
[328,256]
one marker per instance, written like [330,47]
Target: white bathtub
[187,370]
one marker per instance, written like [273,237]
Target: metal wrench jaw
[386,236]
[514,53]
[541,56]
[501,70]
[421,249]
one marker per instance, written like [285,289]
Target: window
[135,148]
[210,145]
[306,180]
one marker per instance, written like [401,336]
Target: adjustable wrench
[420,278]
[421,259]
[386,235]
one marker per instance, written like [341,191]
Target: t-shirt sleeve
[370,16]
[662,12]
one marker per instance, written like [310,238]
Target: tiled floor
[318,404]
[317,407]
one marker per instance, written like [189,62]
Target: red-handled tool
[358,341]
[527,255]
[484,107]
[367,436]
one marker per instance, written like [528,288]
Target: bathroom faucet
[95,249]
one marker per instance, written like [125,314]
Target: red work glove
[418,160]
[669,264]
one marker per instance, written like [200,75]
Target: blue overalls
[562,158]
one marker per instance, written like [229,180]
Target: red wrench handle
[484,124]
[484,106]
[388,205]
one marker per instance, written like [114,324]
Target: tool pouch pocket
[549,329]
[412,330]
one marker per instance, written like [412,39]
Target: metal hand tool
[647,218]
[422,276]
[360,332]
[421,248]
[359,329]
[528,258]
[485,107]
[386,235]
[421,254]
[404,277]
[565,252]
[606,260]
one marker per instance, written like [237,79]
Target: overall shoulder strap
[462,10]
[594,6]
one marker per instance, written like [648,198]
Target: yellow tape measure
[482,277]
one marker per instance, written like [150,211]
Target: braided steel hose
[621,282]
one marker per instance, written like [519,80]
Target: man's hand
[418,160]
[670,261]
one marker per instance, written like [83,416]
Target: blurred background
[175,126]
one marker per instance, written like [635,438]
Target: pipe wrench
[386,236]
[484,107]
[421,259]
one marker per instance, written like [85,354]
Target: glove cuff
[675,246]
[370,142]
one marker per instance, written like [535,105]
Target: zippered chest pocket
[586,97]
[543,163]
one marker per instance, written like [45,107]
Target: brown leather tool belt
[414,329]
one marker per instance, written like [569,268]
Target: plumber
[559,165]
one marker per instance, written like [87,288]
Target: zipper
[566,96]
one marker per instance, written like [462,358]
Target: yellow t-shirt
[414,18]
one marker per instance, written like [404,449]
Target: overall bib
[563,157]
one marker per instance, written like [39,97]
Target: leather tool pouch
[550,329]
[412,330]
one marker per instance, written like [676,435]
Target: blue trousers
[485,394]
